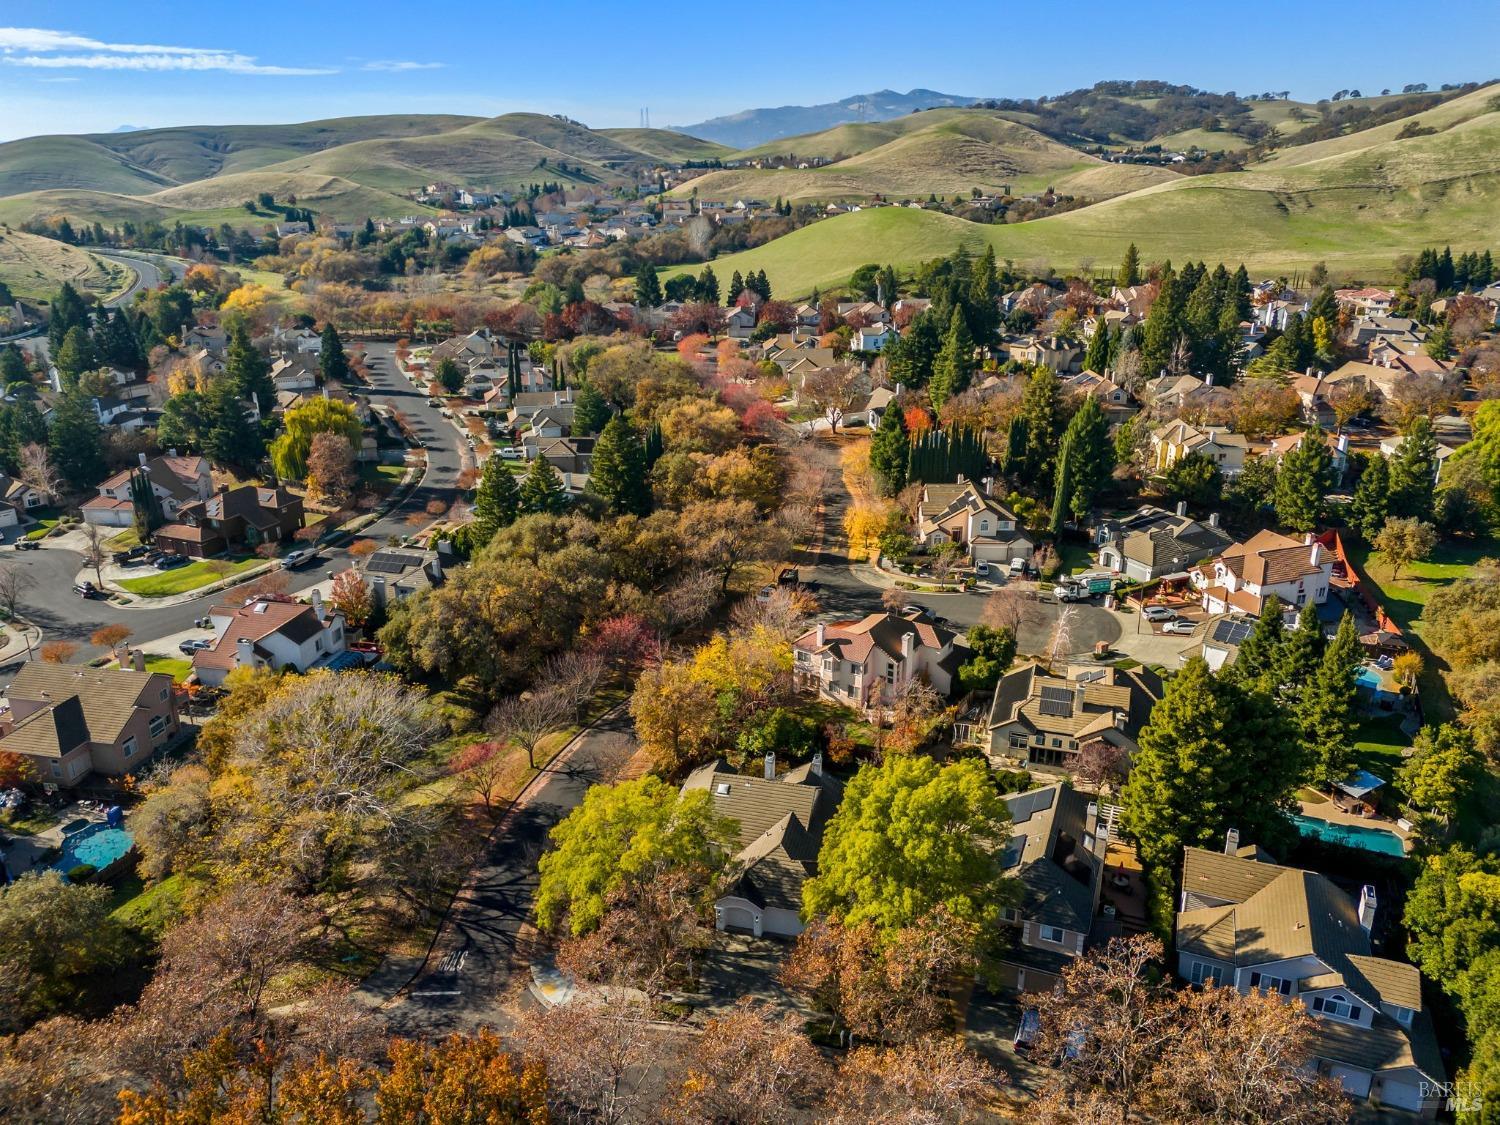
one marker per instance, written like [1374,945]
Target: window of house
[1201,973]
[1337,1005]
[56,769]
[1010,914]
[1271,984]
[158,725]
[1017,740]
[129,747]
[1057,744]
[164,693]
[1039,739]
[1053,934]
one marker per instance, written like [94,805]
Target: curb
[541,773]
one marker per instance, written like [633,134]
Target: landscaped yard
[45,519]
[382,478]
[30,820]
[194,576]
[124,540]
[176,667]
[1378,744]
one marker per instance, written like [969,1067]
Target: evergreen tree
[707,286]
[1130,268]
[332,362]
[736,287]
[146,504]
[647,287]
[1303,482]
[1041,411]
[1300,654]
[1163,325]
[1093,456]
[888,286]
[1255,664]
[75,356]
[230,436]
[590,412]
[67,311]
[450,376]
[1413,473]
[1328,707]
[1063,492]
[618,470]
[13,366]
[910,358]
[955,363]
[249,371]
[888,451]
[1015,448]
[115,342]
[761,284]
[1097,356]
[1240,293]
[1371,504]
[542,489]
[1214,756]
[76,442]
[497,500]
[983,303]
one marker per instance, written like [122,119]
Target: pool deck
[1329,811]
[25,852]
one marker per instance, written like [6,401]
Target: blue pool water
[99,844]
[1367,678]
[1350,835]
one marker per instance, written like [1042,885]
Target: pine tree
[736,287]
[618,470]
[230,436]
[1063,492]
[1093,456]
[332,362]
[707,287]
[1303,482]
[68,311]
[75,356]
[983,299]
[888,451]
[1327,710]
[497,500]
[1163,325]
[248,370]
[955,363]
[1130,268]
[1255,664]
[13,366]
[1299,655]
[542,489]
[1413,473]
[911,357]
[762,285]
[1096,358]
[590,412]
[1041,412]
[1371,504]
[1015,448]
[76,442]
[647,287]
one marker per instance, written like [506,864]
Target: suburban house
[781,822]
[1221,641]
[66,719]
[962,513]
[1338,449]
[246,516]
[291,373]
[1244,576]
[1039,720]
[1056,852]
[1248,924]
[392,575]
[1391,446]
[872,339]
[1114,398]
[270,631]
[1367,301]
[175,480]
[1152,542]
[1049,351]
[1170,393]
[474,345]
[1175,440]
[869,663]
[19,494]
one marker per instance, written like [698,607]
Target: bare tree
[565,684]
[688,602]
[783,613]
[1005,608]
[599,1053]
[38,471]
[833,390]
[94,552]
[13,583]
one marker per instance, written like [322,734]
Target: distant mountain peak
[752,127]
[127,129]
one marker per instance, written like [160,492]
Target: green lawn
[382,478]
[32,819]
[191,577]
[1378,744]
[123,541]
[45,520]
[179,669]
[149,910]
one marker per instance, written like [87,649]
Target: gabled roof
[758,804]
[1046,853]
[854,641]
[85,704]
[1113,699]
[1268,558]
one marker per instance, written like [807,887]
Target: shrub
[82,873]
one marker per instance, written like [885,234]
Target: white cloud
[401,65]
[40,48]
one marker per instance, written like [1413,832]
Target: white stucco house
[1299,572]
[270,631]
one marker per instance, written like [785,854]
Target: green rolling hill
[34,267]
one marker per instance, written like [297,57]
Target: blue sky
[91,66]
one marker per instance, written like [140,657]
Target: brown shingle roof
[105,699]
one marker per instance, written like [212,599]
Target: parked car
[764,593]
[920,611]
[86,590]
[1158,613]
[982,568]
[28,545]
[187,648]
[1179,625]
[511,452]
[1017,568]
[300,557]
[172,562]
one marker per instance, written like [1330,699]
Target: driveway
[487,934]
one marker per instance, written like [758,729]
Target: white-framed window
[129,748]
[1010,914]
[1202,973]
[164,693]
[1017,740]
[1338,1006]
[1271,984]
[1053,934]
[158,725]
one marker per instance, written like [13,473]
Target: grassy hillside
[35,267]
[1355,210]
[945,151]
[1479,103]
[42,163]
[663,144]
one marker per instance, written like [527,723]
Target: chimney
[138,660]
[770,765]
[1213,519]
[1182,507]
[142,457]
[816,767]
[822,634]
[1315,557]
[1231,841]
[244,651]
[908,644]
[1367,908]
[377,590]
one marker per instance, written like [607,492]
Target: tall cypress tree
[888,451]
[1130,268]
[618,469]
[1163,325]
[1063,492]
[955,363]
[332,361]
[1096,357]
[1371,505]
[1093,456]
[1041,410]
[1327,709]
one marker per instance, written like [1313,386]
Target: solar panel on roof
[1232,632]
[1057,701]
[1024,806]
[392,562]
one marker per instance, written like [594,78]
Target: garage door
[1401,1095]
[1356,1083]
[739,918]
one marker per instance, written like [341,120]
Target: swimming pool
[1350,835]
[98,844]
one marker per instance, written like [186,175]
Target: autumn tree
[754,1065]
[1403,541]
[598,1052]
[58,652]
[936,1079]
[301,424]
[351,597]
[110,636]
[330,469]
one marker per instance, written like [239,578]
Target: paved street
[483,941]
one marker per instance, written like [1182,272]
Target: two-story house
[66,719]
[270,631]
[1246,923]
[294,373]
[1175,440]
[781,821]
[1299,572]
[246,516]
[867,664]
[175,480]
[1338,450]
[1056,851]
[1152,542]
[963,513]
[1042,721]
